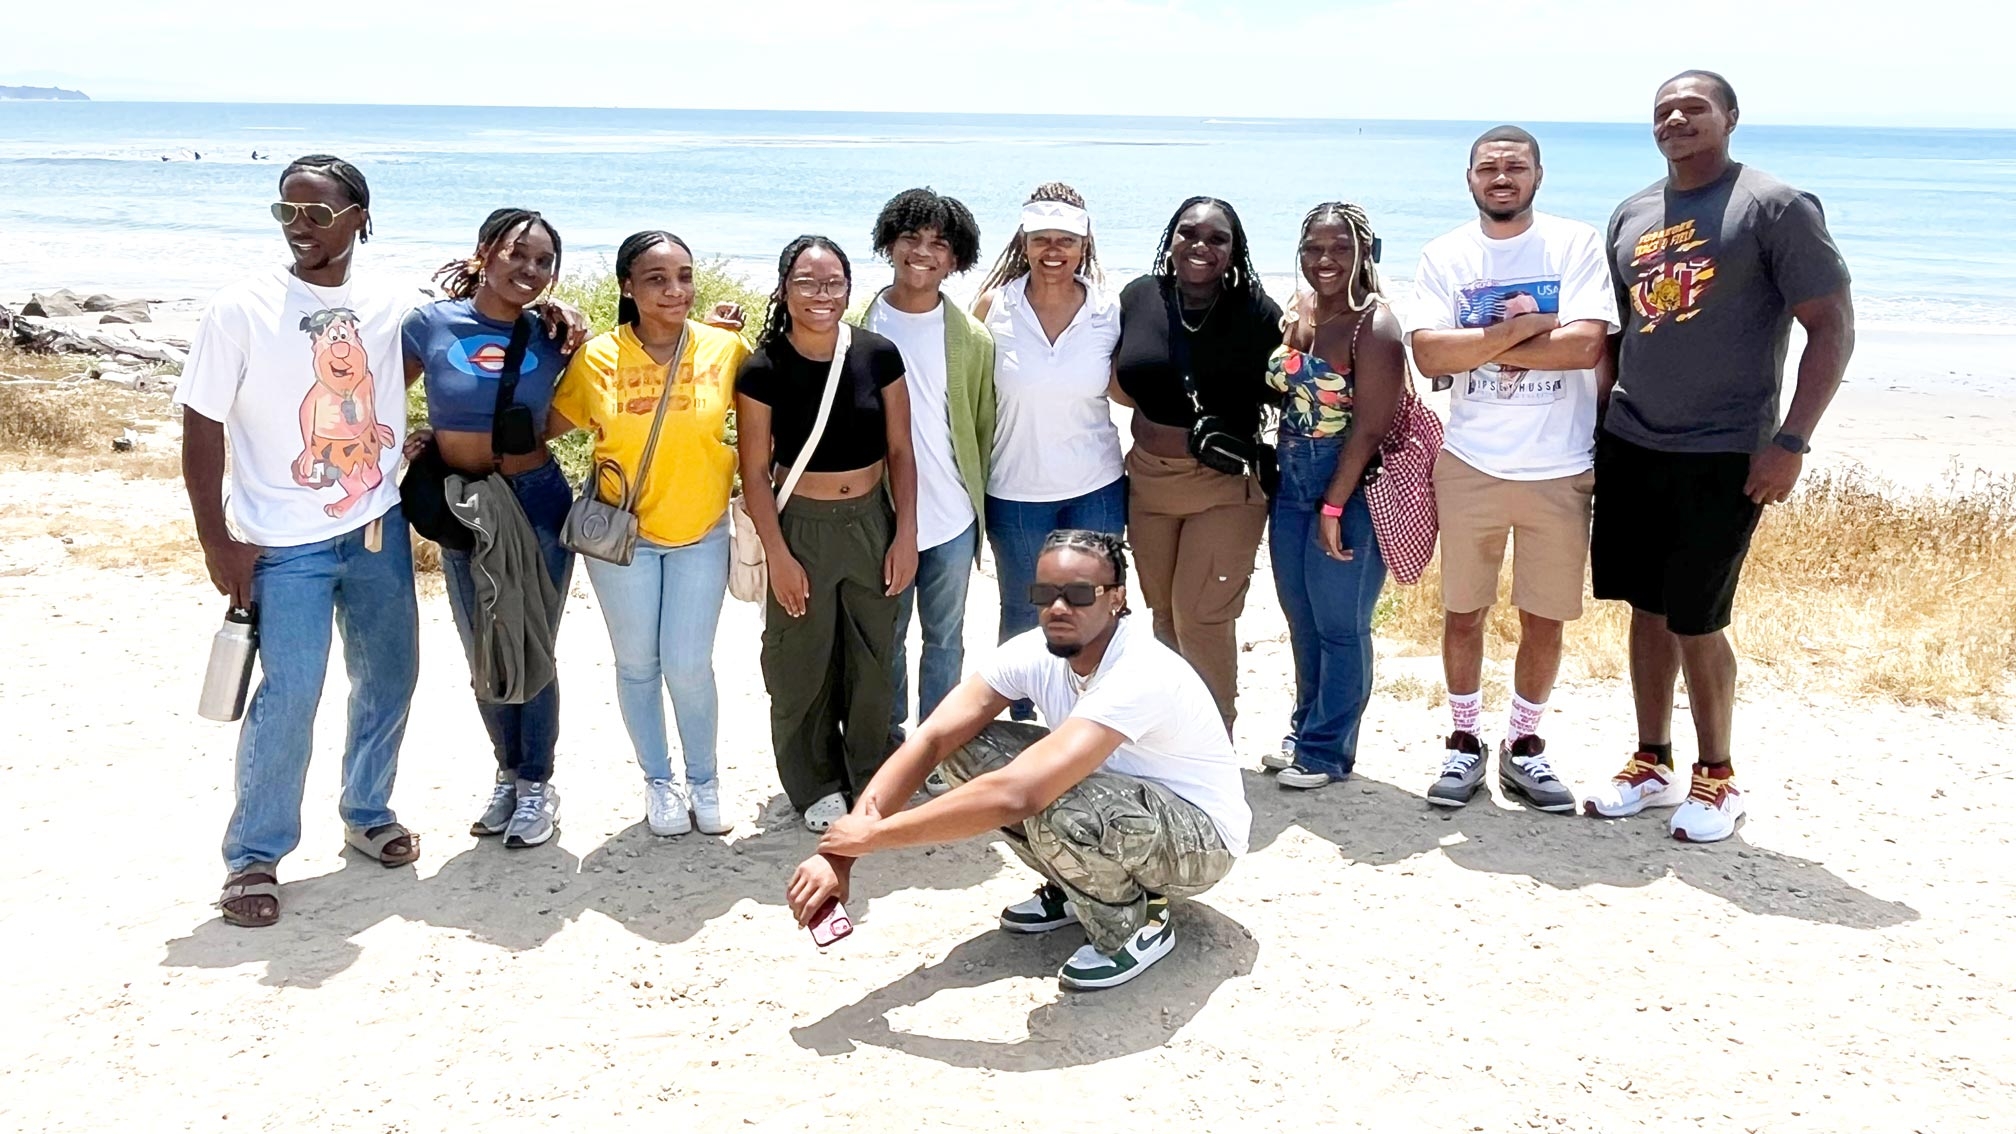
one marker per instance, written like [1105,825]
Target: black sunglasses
[1077,594]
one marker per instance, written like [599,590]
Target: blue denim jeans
[1328,605]
[1016,530]
[662,610]
[523,736]
[939,594]
[301,592]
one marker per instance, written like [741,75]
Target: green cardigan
[969,391]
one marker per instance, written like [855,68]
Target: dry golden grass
[32,421]
[1853,585]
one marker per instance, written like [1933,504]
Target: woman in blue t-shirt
[458,345]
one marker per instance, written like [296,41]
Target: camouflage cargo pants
[1111,843]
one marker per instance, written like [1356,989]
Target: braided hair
[633,246]
[460,278]
[341,172]
[778,323]
[914,210]
[1014,261]
[1104,545]
[1241,278]
[1363,287]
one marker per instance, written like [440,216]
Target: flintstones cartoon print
[341,436]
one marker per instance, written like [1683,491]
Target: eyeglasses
[318,214]
[1077,594]
[805,287]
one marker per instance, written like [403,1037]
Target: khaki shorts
[1550,548]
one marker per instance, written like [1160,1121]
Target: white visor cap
[1055,216]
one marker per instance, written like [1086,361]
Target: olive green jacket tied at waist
[517,603]
[969,391]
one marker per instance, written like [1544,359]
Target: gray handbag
[605,531]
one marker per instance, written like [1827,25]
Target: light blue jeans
[662,610]
[303,591]
[939,594]
[1328,605]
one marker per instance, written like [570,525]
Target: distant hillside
[43,94]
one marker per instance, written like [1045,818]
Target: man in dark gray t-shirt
[1711,266]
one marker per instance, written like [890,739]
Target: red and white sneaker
[1712,808]
[1643,783]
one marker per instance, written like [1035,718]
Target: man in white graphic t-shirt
[296,372]
[1131,798]
[1517,306]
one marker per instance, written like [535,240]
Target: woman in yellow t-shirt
[662,609]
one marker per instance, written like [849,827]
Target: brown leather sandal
[251,897]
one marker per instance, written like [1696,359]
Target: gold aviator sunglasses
[318,214]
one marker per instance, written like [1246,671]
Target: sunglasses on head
[1076,594]
[318,214]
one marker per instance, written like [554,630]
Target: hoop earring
[1232,277]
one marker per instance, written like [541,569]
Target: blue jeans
[300,590]
[523,736]
[939,594]
[662,610]
[1016,530]
[1328,605]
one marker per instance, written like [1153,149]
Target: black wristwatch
[1792,443]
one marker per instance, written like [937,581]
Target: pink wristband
[1333,511]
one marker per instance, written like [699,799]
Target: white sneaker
[820,815]
[707,809]
[665,808]
[1283,758]
[936,784]
[1643,783]
[1088,968]
[1713,806]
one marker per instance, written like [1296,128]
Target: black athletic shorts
[1670,532]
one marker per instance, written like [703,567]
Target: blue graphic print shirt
[462,355]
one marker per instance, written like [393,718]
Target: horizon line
[1226,117]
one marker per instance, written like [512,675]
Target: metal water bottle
[230,672]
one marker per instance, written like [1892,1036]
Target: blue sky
[1847,62]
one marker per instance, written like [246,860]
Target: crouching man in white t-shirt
[1132,797]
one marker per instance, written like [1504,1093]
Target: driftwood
[33,334]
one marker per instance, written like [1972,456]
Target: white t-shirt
[1054,436]
[1517,424]
[311,387]
[944,508]
[1147,693]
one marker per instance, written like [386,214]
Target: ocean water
[1926,218]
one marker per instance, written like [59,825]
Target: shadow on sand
[664,890]
[1378,823]
[1073,1030]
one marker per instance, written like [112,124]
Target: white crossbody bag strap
[825,412]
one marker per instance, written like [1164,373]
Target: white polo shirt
[1054,436]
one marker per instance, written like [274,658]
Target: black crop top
[790,384]
[1228,356]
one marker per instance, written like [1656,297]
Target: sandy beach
[1843,964]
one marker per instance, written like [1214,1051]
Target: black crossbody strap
[507,380]
[1179,347]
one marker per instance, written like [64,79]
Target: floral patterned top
[1319,396]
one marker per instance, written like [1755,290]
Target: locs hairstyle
[914,210]
[633,246]
[778,323]
[460,278]
[1104,545]
[1720,83]
[344,174]
[1014,261]
[1365,277]
[1241,277]
[1506,134]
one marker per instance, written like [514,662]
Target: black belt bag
[1212,443]
[422,494]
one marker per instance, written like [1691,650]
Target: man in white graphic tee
[1517,306]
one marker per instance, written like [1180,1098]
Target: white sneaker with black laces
[1088,968]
